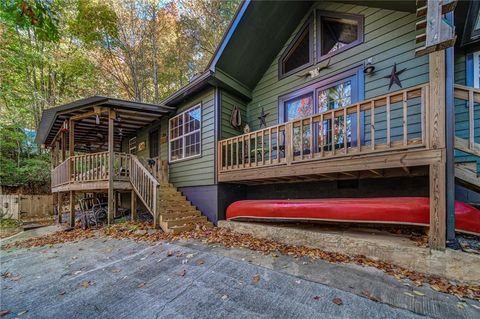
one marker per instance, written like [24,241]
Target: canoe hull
[385,210]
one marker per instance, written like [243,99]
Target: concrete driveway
[108,278]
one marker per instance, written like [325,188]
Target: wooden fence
[27,207]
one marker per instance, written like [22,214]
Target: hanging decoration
[246,129]
[236,118]
[262,118]
[394,79]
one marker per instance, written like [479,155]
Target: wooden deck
[90,172]
[349,142]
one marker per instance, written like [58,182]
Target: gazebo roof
[130,116]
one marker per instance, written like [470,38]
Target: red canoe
[387,210]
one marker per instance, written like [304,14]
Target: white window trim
[183,136]
[131,141]
[476,74]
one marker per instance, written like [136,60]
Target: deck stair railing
[390,122]
[144,184]
[467,99]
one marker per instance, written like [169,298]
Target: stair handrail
[144,184]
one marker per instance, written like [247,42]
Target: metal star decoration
[394,76]
[262,118]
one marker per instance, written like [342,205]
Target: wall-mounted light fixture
[369,68]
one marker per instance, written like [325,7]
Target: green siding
[389,36]
[197,171]
[461,110]
[227,102]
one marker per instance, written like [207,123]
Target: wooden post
[289,143]
[436,137]
[71,144]
[111,193]
[59,206]
[72,209]
[133,205]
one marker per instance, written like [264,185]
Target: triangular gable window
[299,53]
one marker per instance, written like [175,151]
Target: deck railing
[466,100]
[61,173]
[390,122]
[90,167]
[144,183]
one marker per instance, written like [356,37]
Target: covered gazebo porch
[85,141]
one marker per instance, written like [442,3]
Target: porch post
[437,141]
[59,206]
[72,209]
[133,205]
[111,193]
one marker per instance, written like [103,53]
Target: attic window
[338,32]
[299,53]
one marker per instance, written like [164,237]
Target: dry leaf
[61,293]
[182,273]
[116,270]
[224,297]
[86,283]
[256,279]
[22,313]
[337,301]
[316,297]
[4,312]
[418,293]
[460,305]
[141,285]
[409,294]
[199,262]
[169,253]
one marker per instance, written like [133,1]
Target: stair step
[188,227]
[186,221]
[175,216]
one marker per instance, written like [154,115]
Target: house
[341,100]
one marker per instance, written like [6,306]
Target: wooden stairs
[171,210]
[466,172]
[176,213]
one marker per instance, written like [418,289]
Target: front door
[154,144]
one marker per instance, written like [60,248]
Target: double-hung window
[185,134]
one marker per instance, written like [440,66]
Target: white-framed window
[184,131]
[132,145]
[476,69]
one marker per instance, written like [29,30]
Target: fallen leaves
[4,312]
[337,301]
[116,270]
[199,262]
[141,285]
[229,238]
[316,298]
[256,279]
[52,239]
